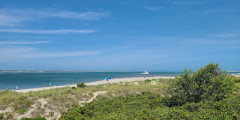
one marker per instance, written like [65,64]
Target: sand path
[95,94]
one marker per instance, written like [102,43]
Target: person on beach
[7,89]
[107,78]
[16,87]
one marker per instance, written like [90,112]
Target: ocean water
[26,80]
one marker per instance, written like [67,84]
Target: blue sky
[119,35]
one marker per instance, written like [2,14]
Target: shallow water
[25,80]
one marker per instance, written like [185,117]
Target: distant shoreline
[42,71]
[117,80]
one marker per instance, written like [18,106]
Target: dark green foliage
[150,106]
[1,116]
[235,79]
[148,81]
[208,83]
[51,114]
[37,118]
[22,104]
[73,88]
[81,85]
[122,107]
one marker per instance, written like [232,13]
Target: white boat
[145,72]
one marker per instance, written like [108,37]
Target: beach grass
[61,99]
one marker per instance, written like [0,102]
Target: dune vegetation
[205,94]
[51,103]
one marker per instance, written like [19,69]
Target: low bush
[151,106]
[127,107]
[208,83]
[81,85]
[37,118]
[1,116]
[148,81]
[51,114]
[73,88]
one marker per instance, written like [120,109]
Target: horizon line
[74,71]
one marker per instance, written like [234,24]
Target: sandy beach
[117,80]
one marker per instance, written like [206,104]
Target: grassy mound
[151,106]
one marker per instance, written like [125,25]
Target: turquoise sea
[25,80]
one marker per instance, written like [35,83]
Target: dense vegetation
[37,118]
[207,84]
[206,94]
[150,106]
[81,85]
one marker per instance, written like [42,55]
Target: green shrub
[1,116]
[73,88]
[81,85]
[148,81]
[119,108]
[51,114]
[37,118]
[150,106]
[235,79]
[208,83]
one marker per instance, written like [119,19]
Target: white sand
[118,80]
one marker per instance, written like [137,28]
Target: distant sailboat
[145,72]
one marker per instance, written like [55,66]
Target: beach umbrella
[107,78]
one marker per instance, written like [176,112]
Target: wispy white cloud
[9,20]
[13,17]
[23,52]
[172,5]
[58,54]
[74,15]
[60,31]
[187,3]
[22,42]
[11,51]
